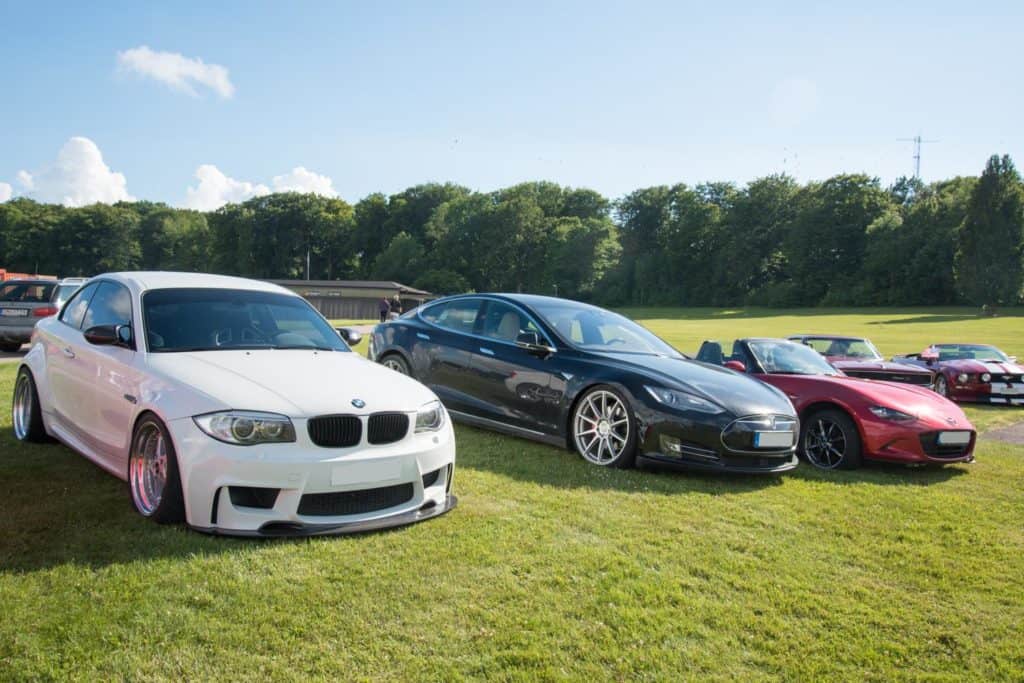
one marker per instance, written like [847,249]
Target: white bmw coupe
[234,406]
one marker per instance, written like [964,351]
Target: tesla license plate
[954,438]
[14,312]
[773,439]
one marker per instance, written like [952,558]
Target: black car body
[526,365]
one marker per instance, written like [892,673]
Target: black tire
[941,385]
[396,363]
[10,347]
[26,415]
[835,427]
[170,508]
[593,407]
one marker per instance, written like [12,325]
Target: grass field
[549,568]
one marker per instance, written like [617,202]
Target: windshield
[226,319]
[843,348]
[595,329]
[969,351]
[787,358]
[27,292]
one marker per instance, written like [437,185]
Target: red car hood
[844,363]
[972,366]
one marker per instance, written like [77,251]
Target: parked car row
[24,302]
[234,406]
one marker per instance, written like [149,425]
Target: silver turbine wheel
[21,409]
[147,472]
[825,443]
[393,363]
[601,427]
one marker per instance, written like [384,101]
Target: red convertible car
[971,372]
[858,357]
[845,419]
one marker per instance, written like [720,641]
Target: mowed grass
[549,568]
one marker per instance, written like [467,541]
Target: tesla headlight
[245,428]
[962,378]
[680,400]
[891,414]
[430,417]
[985,377]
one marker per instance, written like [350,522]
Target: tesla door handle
[486,352]
[424,337]
[68,352]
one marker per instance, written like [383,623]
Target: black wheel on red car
[830,441]
[942,385]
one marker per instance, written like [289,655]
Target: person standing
[396,305]
[384,308]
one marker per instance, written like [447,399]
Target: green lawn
[548,568]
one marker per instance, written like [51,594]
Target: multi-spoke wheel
[830,440]
[153,473]
[941,385]
[395,362]
[602,428]
[25,413]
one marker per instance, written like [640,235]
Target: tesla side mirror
[351,337]
[110,335]
[529,338]
[736,365]
[539,350]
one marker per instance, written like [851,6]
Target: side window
[74,311]
[459,315]
[506,323]
[112,305]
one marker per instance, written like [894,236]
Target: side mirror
[539,350]
[351,337]
[529,338]
[736,365]
[110,335]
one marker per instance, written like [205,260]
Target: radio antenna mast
[918,141]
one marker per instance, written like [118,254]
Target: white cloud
[176,70]
[6,191]
[302,180]
[77,177]
[794,101]
[215,189]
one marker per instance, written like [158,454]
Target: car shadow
[937,318]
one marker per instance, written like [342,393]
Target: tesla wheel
[942,385]
[602,428]
[830,440]
[10,347]
[153,473]
[26,415]
[395,362]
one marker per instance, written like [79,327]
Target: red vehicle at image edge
[977,373]
[845,420]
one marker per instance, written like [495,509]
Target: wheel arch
[819,406]
[582,391]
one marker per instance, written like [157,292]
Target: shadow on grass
[926,319]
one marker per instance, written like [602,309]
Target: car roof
[73,280]
[146,280]
[28,281]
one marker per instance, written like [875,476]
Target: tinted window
[111,305]
[225,319]
[64,293]
[595,329]
[507,323]
[27,292]
[74,312]
[459,315]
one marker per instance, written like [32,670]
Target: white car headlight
[246,428]
[430,417]
[681,400]
[985,378]
[891,414]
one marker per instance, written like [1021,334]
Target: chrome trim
[764,452]
[495,422]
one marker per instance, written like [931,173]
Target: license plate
[366,472]
[1007,390]
[773,439]
[14,312]
[954,438]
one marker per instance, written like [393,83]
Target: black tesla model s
[579,376]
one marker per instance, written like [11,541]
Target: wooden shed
[353,299]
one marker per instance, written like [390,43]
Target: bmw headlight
[891,414]
[962,378]
[430,417]
[680,400]
[246,428]
[985,377]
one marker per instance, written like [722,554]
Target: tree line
[844,241]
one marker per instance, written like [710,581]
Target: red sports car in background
[846,419]
[971,372]
[858,357]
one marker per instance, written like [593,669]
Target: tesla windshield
[787,358]
[225,319]
[595,329]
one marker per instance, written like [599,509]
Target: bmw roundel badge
[358,402]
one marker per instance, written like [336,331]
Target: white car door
[63,371]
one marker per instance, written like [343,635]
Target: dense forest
[844,241]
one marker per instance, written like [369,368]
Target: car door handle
[424,337]
[68,352]
[486,352]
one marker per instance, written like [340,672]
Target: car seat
[711,352]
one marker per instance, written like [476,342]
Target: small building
[353,299]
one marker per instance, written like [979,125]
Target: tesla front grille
[343,503]
[335,431]
[387,427]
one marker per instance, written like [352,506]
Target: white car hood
[297,383]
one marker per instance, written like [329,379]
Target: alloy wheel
[601,427]
[393,363]
[21,409]
[148,468]
[942,386]
[825,443]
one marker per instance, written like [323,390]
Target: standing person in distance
[384,308]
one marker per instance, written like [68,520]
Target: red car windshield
[861,349]
[788,358]
[969,352]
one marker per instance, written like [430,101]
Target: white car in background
[234,406]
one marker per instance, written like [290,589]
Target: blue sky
[609,96]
